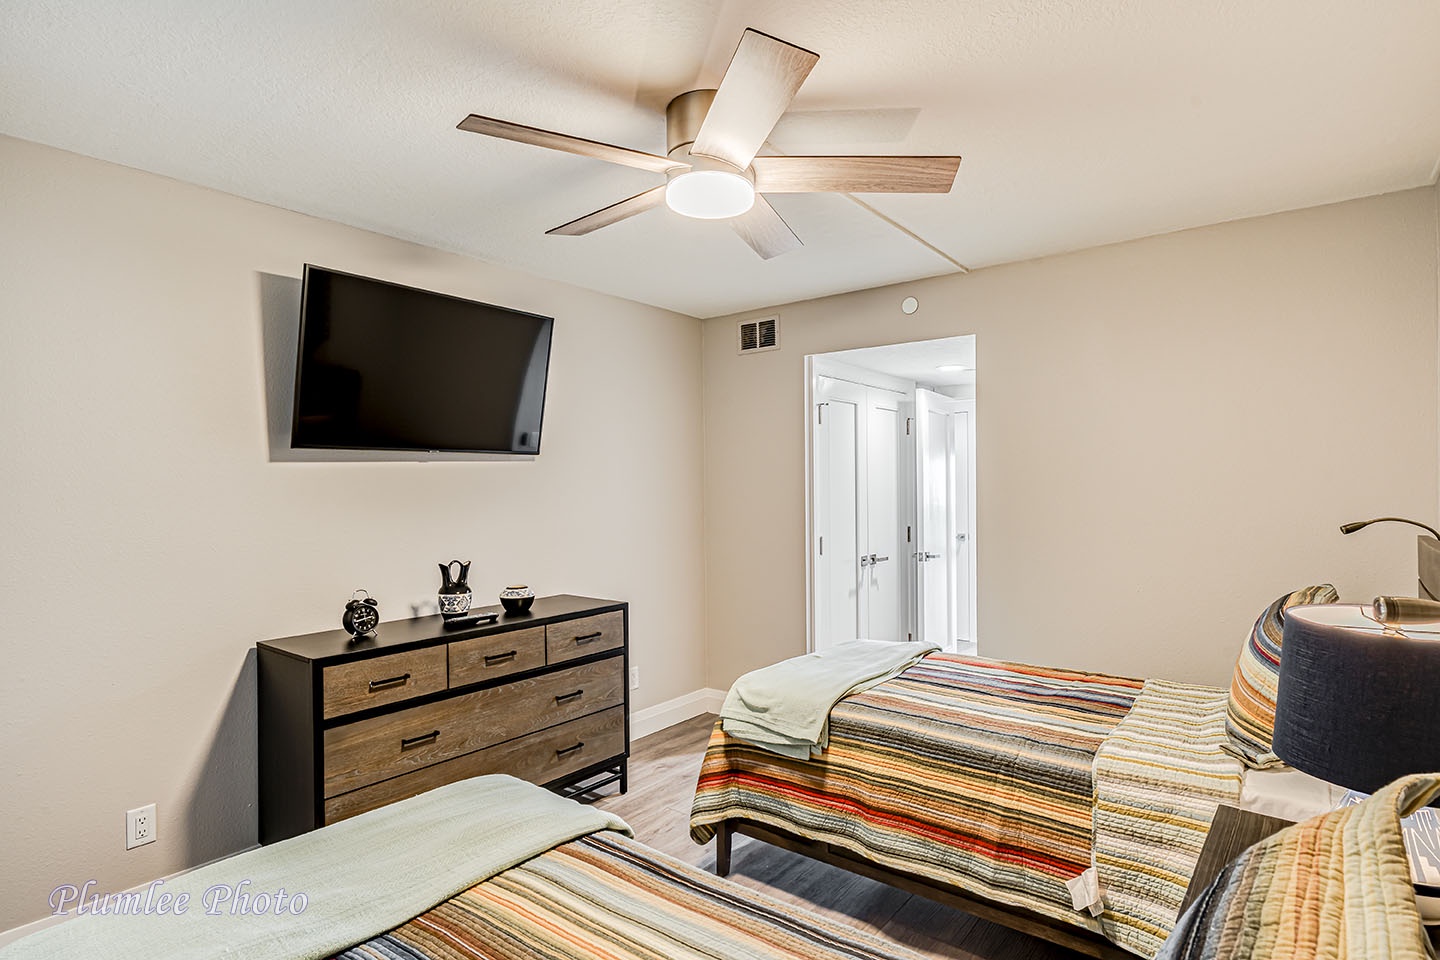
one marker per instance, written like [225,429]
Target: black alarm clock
[362,614]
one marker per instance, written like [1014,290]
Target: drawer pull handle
[569,750]
[386,684]
[590,637]
[493,658]
[567,697]
[420,741]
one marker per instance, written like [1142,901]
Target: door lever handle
[875,559]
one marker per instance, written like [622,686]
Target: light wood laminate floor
[663,768]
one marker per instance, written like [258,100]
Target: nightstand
[1232,832]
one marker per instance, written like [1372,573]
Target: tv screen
[386,367]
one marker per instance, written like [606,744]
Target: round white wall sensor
[909,305]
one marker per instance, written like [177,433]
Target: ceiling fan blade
[762,228]
[520,133]
[855,174]
[612,214]
[759,84]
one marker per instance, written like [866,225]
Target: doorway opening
[890,504]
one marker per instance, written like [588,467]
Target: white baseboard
[15,933]
[655,718]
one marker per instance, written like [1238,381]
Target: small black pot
[517,599]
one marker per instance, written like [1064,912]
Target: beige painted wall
[1170,431]
[149,541]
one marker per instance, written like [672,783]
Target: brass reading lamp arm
[1349,528]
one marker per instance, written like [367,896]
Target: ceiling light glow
[952,367]
[710,194]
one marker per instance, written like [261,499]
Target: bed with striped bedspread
[973,773]
[607,896]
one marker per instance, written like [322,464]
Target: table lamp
[1359,705]
[1359,697]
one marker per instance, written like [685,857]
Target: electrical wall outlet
[140,826]
[634,678]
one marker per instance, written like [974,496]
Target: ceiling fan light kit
[711,141]
[710,190]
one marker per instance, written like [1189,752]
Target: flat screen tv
[386,367]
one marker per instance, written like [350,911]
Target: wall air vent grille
[759,335]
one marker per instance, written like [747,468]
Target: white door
[838,419]
[883,603]
[933,552]
[860,582]
[962,538]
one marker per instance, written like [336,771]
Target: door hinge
[822,546]
[908,421]
[820,412]
[909,636]
[907,534]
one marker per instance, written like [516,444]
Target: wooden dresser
[350,725]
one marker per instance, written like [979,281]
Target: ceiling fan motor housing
[683,117]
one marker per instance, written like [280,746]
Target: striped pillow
[1250,714]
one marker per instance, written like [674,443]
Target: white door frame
[815,365]
[808,415]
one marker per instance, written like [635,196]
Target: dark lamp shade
[1357,705]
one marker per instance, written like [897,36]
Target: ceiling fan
[712,138]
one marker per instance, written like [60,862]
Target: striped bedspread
[1335,887]
[1158,778]
[973,773]
[607,896]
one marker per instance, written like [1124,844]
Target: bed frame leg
[723,832]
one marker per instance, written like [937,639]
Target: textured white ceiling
[1081,121]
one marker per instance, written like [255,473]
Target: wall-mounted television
[388,367]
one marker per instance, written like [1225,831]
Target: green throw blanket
[359,878]
[785,707]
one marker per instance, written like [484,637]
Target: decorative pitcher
[454,595]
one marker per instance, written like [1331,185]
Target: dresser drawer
[539,757]
[350,687]
[488,657]
[368,751]
[580,638]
